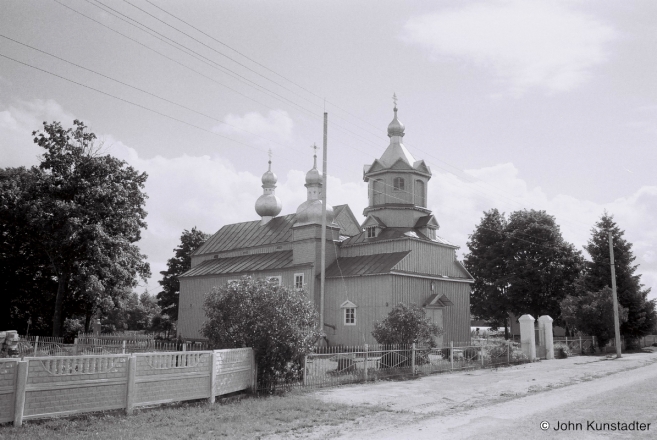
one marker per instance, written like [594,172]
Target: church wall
[371,295]
[456,318]
[426,258]
[192,295]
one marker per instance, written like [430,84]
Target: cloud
[528,44]
[18,121]
[275,127]
[459,205]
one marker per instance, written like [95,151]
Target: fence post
[451,353]
[254,365]
[508,352]
[184,346]
[481,353]
[580,345]
[593,344]
[213,375]
[365,364]
[305,370]
[36,345]
[130,385]
[19,400]
[413,358]
[123,346]
[76,350]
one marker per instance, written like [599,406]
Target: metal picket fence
[334,366]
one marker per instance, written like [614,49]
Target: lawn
[248,417]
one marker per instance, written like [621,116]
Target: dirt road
[508,402]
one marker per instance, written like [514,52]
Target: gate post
[451,353]
[213,375]
[528,336]
[365,364]
[545,324]
[413,358]
[19,397]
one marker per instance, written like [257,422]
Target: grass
[245,418]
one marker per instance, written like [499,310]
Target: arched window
[420,199]
[398,184]
[377,192]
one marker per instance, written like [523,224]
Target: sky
[548,105]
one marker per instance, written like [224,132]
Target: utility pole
[613,292]
[322,278]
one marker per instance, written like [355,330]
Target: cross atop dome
[394,100]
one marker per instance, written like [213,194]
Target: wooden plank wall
[193,290]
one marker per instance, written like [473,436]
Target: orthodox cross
[269,153]
[394,99]
[315,147]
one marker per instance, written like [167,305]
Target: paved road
[511,403]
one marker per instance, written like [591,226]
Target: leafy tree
[593,313]
[541,266]
[82,212]
[181,263]
[520,265]
[488,266]
[641,316]
[278,322]
[406,325]
[135,312]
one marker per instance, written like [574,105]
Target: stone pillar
[528,336]
[545,331]
[96,327]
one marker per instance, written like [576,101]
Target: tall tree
[641,316]
[520,265]
[541,266]
[487,265]
[83,211]
[167,299]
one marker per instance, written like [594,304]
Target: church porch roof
[364,265]
[242,264]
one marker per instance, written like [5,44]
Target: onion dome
[268,205]
[396,128]
[310,212]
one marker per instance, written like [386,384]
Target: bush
[279,323]
[406,325]
[561,351]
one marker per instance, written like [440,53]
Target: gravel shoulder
[464,403]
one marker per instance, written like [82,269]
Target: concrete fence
[63,385]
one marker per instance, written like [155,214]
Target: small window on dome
[371,231]
[398,184]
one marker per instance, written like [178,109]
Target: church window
[420,197]
[371,231]
[350,316]
[398,184]
[298,281]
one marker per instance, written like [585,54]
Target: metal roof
[394,234]
[241,264]
[364,264]
[249,234]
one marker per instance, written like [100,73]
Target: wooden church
[394,256]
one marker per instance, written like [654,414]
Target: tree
[641,315]
[278,322]
[541,266]
[406,325]
[487,265]
[167,299]
[135,312]
[520,265]
[593,314]
[82,212]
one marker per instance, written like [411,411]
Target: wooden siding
[197,259]
[372,296]
[193,290]
[456,318]
[426,258]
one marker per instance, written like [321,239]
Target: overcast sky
[513,104]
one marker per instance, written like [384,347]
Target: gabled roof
[392,233]
[364,265]
[394,152]
[345,218]
[437,300]
[427,220]
[242,264]
[249,234]
[373,220]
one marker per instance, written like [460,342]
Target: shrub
[279,323]
[561,351]
[406,325]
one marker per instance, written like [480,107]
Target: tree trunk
[87,321]
[58,316]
